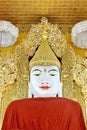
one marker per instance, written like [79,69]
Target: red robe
[44,114]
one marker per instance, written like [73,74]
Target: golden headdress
[44,55]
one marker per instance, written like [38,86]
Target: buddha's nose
[44,79]
[43,82]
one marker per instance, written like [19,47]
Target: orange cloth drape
[44,114]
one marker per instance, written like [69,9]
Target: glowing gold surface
[31,11]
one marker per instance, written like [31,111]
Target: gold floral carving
[8,71]
[64,28]
[8,76]
[80,77]
[14,83]
[71,77]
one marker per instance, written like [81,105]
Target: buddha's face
[45,81]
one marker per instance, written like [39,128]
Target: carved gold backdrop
[14,69]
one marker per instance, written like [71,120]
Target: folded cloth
[44,114]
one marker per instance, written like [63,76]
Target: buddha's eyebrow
[53,70]
[36,70]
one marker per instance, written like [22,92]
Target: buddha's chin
[46,93]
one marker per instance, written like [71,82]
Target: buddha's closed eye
[53,72]
[37,72]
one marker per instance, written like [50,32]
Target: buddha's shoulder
[71,104]
[69,101]
[65,101]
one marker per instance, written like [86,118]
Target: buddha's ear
[29,91]
[60,94]
[61,84]
[32,95]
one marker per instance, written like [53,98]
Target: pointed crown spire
[44,55]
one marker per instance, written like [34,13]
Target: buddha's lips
[44,87]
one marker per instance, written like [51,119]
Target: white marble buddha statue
[45,78]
